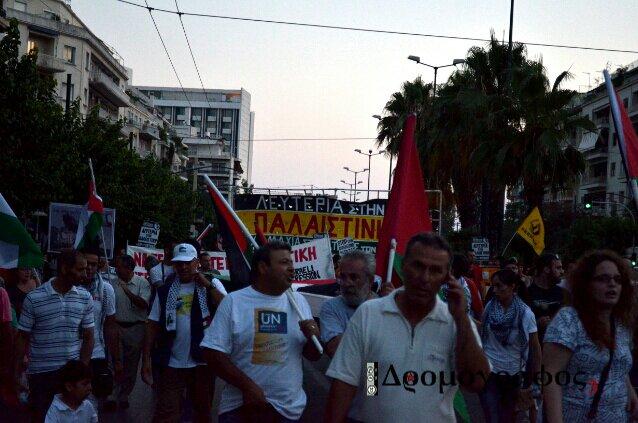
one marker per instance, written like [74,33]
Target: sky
[321,83]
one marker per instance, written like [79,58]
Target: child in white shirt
[72,405]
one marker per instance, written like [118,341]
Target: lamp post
[356,172]
[417,59]
[351,188]
[369,154]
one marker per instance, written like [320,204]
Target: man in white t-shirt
[105,330]
[183,308]
[401,353]
[257,341]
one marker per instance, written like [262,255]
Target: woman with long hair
[23,283]
[587,346]
[509,337]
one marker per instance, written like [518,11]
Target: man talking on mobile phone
[420,348]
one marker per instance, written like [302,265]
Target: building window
[612,170]
[63,93]
[69,54]
[615,139]
[621,196]
[32,45]
[625,102]
[20,5]
[87,61]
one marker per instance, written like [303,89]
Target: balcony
[596,153]
[196,117]
[211,118]
[181,117]
[54,27]
[593,181]
[149,132]
[185,131]
[103,84]
[50,63]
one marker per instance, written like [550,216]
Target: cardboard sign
[345,245]
[63,225]
[149,233]
[481,247]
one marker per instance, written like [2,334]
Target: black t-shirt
[545,302]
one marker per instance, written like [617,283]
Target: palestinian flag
[17,248]
[627,138]
[406,212]
[91,220]
[238,247]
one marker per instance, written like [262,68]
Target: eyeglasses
[607,278]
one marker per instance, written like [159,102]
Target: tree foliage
[47,153]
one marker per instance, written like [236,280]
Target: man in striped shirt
[56,326]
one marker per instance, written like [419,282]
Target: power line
[310,139]
[372,30]
[150,12]
[192,55]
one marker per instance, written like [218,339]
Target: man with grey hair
[355,278]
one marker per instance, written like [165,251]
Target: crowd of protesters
[546,347]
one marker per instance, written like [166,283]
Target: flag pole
[204,232]
[615,113]
[106,257]
[391,254]
[508,243]
[289,292]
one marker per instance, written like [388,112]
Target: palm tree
[543,153]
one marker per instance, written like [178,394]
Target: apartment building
[605,183]
[68,47]
[216,125]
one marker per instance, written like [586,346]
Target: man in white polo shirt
[402,353]
[56,325]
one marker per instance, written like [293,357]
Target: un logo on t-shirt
[272,322]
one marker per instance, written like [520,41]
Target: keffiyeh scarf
[174,302]
[501,322]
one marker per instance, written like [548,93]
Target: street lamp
[356,172]
[351,187]
[417,59]
[369,154]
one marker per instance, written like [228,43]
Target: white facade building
[605,179]
[68,47]
[216,125]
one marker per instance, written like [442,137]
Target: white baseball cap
[184,252]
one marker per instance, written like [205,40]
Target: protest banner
[296,219]
[63,225]
[313,260]
[217,259]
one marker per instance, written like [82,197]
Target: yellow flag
[532,230]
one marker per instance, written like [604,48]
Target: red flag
[630,144]
[406,212]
